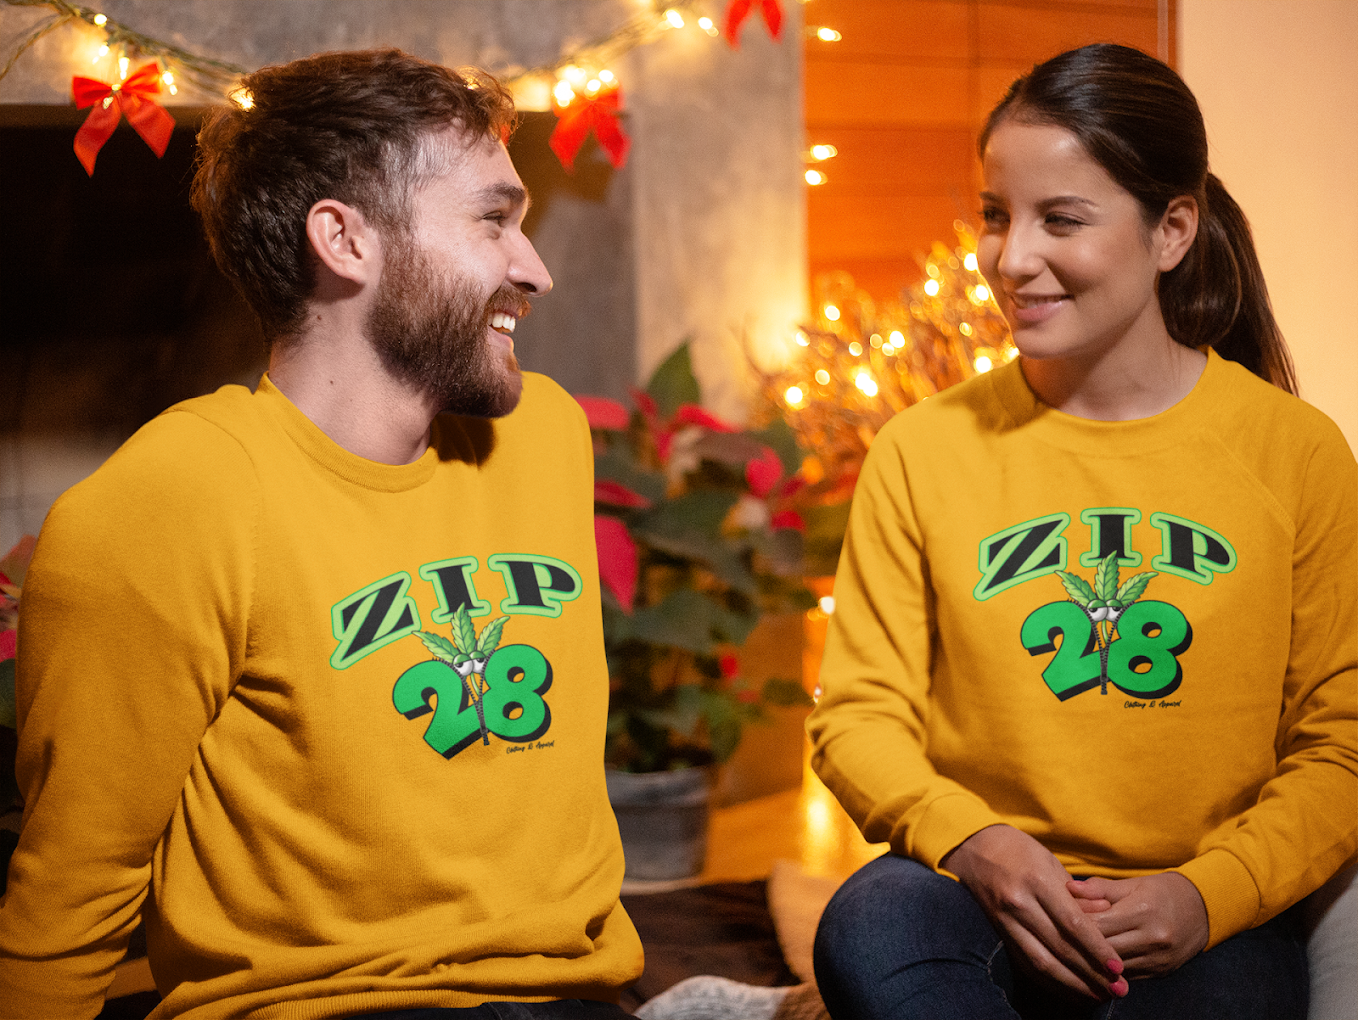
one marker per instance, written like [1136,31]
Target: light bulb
[563,93]
[822,377]
[970,261]
[823,151]
[855,348]
[815,177]
[832,313]
[931,288]
[982,292]
[825,34]
[866,383]
[983,363]
[675,19]
[793,396]
[101,20]
[607,77]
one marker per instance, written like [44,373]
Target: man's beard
[430,332]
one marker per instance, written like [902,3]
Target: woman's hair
[356,127]
[1139,121]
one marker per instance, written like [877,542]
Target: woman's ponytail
[1139,121]
[1217,294]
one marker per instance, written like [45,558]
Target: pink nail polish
[1119,987]
[1114,965]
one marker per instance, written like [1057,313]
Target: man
[312,679]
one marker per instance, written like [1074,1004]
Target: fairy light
[831,313]
[122,68]
[855,348]
[607,77]
[794,396]
[593,85]
[100,54]
[982,293]
[819,152]
[168,79]
[983,363]
[822,377]
[827,34]
[675,19]
[1010,353]
[970,261]
[815,177]
[100,20]
[866,383]
[563,93]
[931,288]
[706,25]
[802,339]
[575,75]
[827,605]
[875,339]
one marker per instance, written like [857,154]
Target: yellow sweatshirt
[1210,728]
[230,723]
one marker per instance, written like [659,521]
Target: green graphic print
[476,687]
[1108,634]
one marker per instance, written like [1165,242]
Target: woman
[1093,653]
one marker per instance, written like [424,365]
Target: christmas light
[823,377]
[794,396]
[825,34]
[101,20]
[855,348]
[607,77]
[593,85]
[675,19]
[931,288]
[563,93]
[122,68]
[982,363]
[814,177]
[101,54]
[831,313]
[827,604]
[970,261]
[982,293]
[866,383]
[801,339]
[706,25]
[575,75]
[819,152]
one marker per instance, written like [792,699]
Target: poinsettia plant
[698,535]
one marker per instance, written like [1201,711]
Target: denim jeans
[900,941]
[556,1009]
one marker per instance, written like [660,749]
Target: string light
[970,261]
[563,93]
[855,348]
[101,20]
[815,177]
[675,19]
[706,25]
[794,396]
[168,79]
[831,313]
[825,34]
[931,288]
[607,77]
[122,68]
[820,152]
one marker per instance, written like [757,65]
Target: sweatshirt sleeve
[868,728]
[1302,828]
[132,629]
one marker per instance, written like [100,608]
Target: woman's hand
[1157,923]
[1024,891]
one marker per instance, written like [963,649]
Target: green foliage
[674,383]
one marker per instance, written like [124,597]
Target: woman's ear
[343,241]
[1178,228]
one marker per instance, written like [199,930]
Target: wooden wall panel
[903,97]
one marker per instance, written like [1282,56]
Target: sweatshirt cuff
[947,822]
[1228,890]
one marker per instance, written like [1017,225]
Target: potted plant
[698,536]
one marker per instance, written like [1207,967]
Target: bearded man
[312,678]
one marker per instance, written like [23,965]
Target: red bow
[110,102]
[574,123]
[740,10]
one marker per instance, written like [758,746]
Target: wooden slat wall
[903,96]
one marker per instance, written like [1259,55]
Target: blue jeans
[900,941]
[557,1009]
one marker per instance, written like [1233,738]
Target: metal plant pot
[662,817]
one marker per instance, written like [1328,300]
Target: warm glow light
[823,151]
[167,78]
[965,328]
[575,75]
[101,20]
[607,77]
[827,605]
[794,396]
[897,338]
[970,261]
[831,313]
[675,19]
[802,339]
[888,349]
[932,270]
[563,93]
[243,99]
[822,377]
[122,67]
[875,339]
[593,85]
[828,35]
[982,292]
[100,54]
[866,383]
[931,288]
[706,25]
[982,363]
[1011,353]
[855,348]
[814,177]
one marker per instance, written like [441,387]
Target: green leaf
[674,383]
[615,465]
[1106,577]
[490,637]
[1076,587]
[8,703]
[779,436]
[689,527]
[464,633]
[788,693]
[436,643]
[1133,587]
[690,620]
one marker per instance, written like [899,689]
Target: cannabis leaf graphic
[1104,602]
[467,655]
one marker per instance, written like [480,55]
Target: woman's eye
[992,217]
[1057,221]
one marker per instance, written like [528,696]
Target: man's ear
[1178,229]
[344,241]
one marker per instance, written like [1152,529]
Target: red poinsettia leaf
[618,565]
[617,494]
[7,644]
[787,519]
[762,473]
[692,414]
[604,413]
[730,665]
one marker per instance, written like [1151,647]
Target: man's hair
[355,127]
